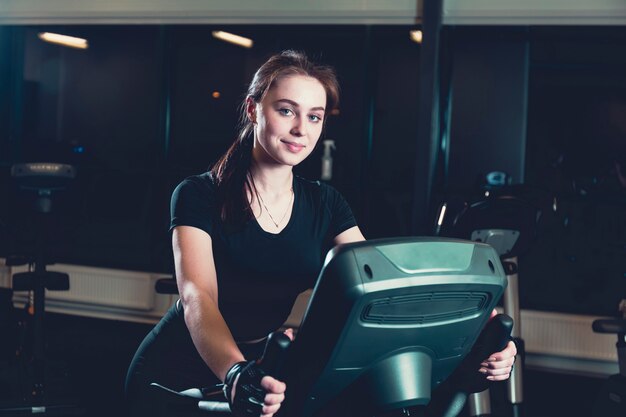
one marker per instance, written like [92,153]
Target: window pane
[577,149]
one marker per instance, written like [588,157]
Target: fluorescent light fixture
[232,38]
[416,36]
[69,41]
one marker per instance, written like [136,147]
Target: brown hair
[230,171]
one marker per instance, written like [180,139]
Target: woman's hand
[264,396]
[289,334]
[498,366]
[275,395]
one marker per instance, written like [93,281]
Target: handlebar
[467,380]
[274,354]
[270,362]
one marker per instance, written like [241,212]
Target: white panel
[534,12]
[557,342]
[161,305]
[104,287]
[101,293]
[206,11]
[566,335]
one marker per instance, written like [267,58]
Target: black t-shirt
[260,274]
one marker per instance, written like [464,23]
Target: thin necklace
[270,214]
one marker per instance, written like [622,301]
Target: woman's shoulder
[313,184]
[200,182]
[193,203]
[305,183]
[330,202]
[197,186]
[317,188]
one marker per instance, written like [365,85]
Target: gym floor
[88,360]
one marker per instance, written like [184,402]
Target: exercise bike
[391,324]
[42,181]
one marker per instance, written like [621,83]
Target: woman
[252,231]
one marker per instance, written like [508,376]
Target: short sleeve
[341,217]
[193,204]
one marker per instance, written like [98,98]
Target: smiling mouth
[293,146]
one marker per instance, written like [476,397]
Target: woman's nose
[299,126]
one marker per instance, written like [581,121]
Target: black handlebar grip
[274,354]
[609,326]
[493,338]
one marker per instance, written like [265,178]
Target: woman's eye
[285,112]
[315,118]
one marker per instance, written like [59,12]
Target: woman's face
[289,120]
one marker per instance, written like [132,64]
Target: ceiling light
[70,41]
[416,36]
[232,38]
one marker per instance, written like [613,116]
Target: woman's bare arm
[197,286]
[353,234]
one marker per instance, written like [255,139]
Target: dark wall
[99,110]
[393,150]
[489,102]
[10,56]
[577,150]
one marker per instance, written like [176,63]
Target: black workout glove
[249,396]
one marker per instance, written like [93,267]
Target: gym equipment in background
[505,217]
[389,322]
[43,180]
[166,286]
[611,400]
